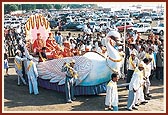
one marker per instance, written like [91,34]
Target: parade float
[94,69]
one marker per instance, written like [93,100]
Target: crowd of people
[143,59]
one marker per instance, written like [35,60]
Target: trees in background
[27,7]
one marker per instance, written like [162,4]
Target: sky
[127,4]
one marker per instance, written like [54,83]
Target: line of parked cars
[98,21]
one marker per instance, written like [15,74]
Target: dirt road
[17,98]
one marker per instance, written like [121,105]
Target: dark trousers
[129,76]
[153,74]
[159,73]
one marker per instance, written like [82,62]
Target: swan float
[94,71]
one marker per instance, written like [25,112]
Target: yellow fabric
[75,75]
[130,60]
[114,60]
[136,70]
[109,84]
[112,84]
[147,55]
[29,66]
[19,65]
[43,59]
[139,73]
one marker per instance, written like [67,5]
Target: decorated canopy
[37,24]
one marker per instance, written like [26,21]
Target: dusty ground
[16,99]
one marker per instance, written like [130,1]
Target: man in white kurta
[134,86]
[140,94]
[32,76]
[111,100]
[122,54]
[18,67]
[133,62]
[147,81]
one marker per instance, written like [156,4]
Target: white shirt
[147,70]
[141,55]
[18,60]
[135,62]
[135,82]
[111,94]
[82,48]
[153,63]
[103,41]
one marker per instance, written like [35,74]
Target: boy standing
[111,100]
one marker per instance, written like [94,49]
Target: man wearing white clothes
[134,86]
[147,81]
[111,100]
[150,56]
[122,54]
[18,66]
[32,76]
[132,64]
[140,94]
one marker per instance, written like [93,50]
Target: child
[6,66]
[111,100]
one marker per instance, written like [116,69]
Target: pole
[124,47]
[124,34]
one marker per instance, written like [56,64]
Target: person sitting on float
[38,44]
[42,55]
[67,52]
[51,44]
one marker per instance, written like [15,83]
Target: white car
[146,19]
[141,27]
[7,23]
[159,30]
[126,19]
[155,16]
[15,24]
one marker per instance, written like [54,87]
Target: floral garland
[37,20]
[28,24]
[45,23]
[115,60]
[41,22]
[32,22]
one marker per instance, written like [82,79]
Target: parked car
[146,19]
[102,20]
[161,16]
[159,29]
[80,27]
[92,25]
[142,15]
[15,24]
[141,27]
[121,25]
[135,14]
[53,24]
[7,24]
[81,20]
[126,19]
[69,19]
[102,27]
[71,26]
[155,16]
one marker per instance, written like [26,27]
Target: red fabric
[38,44]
